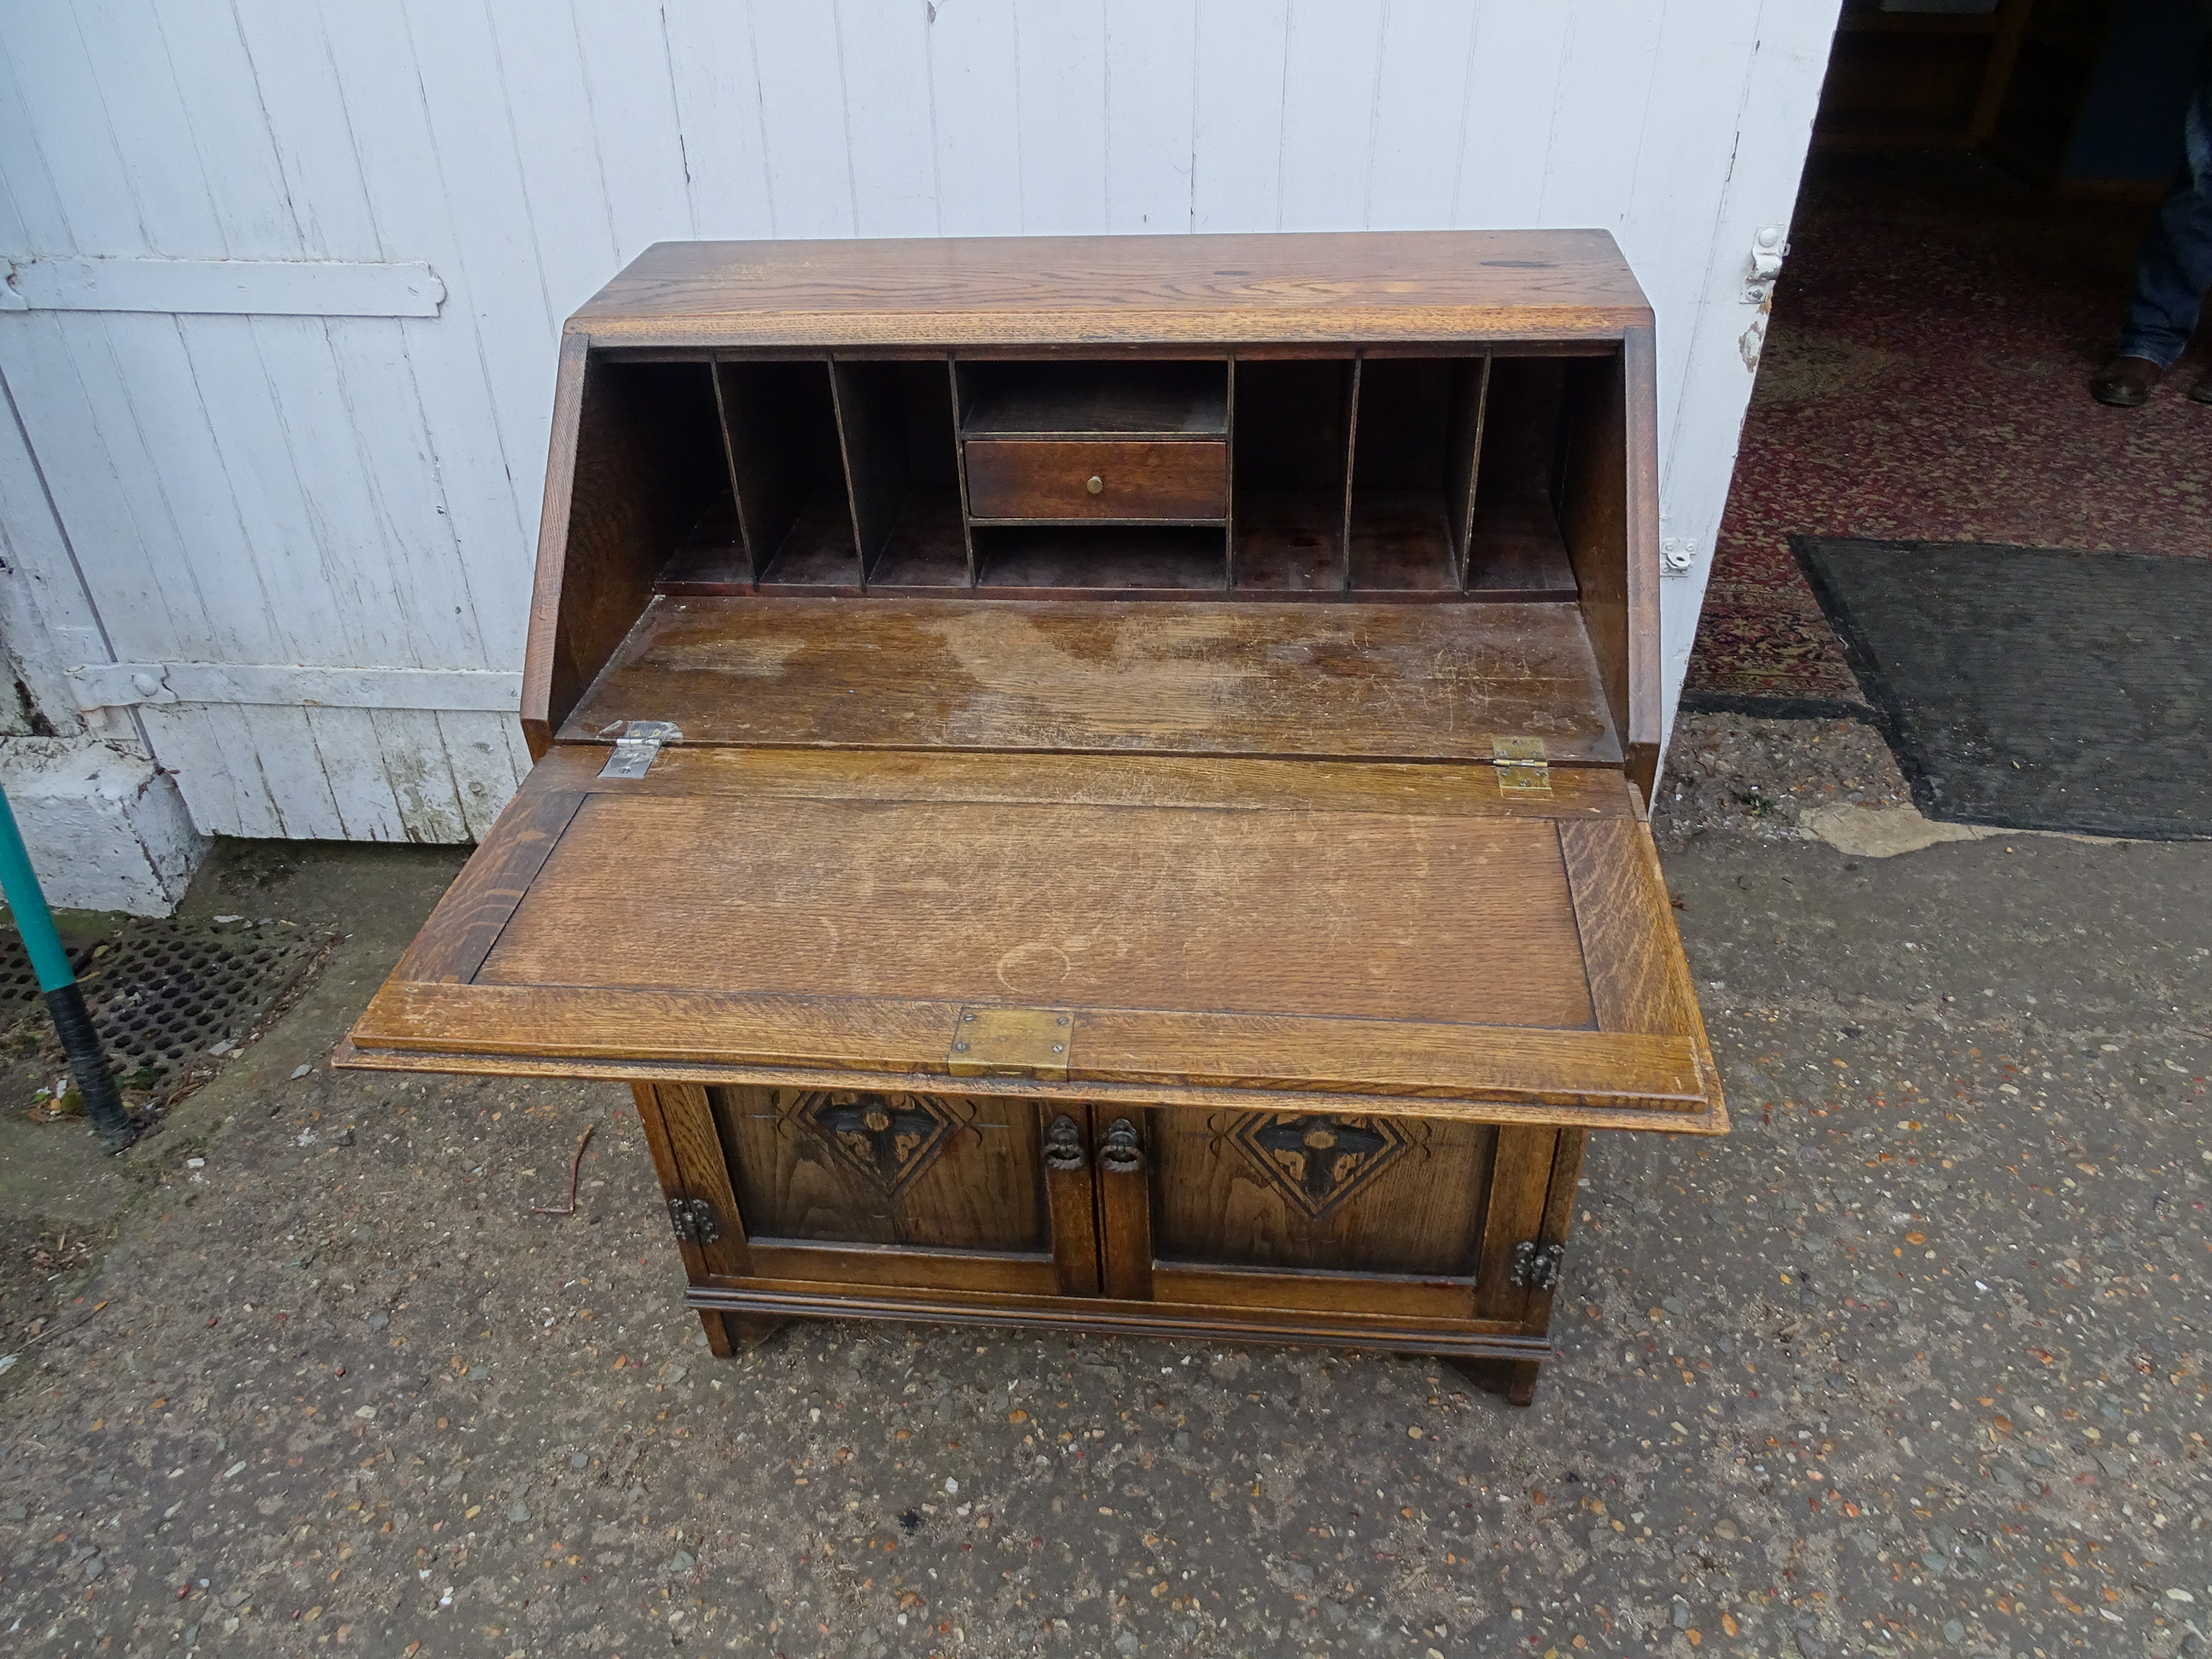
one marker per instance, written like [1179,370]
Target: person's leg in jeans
[2175,272]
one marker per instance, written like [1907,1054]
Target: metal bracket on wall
[1767,251]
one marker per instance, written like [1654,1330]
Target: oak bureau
[1097,783]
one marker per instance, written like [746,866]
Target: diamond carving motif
[1317,1162]
[890,1138]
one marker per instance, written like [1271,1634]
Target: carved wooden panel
[867,1167]
[1392,1195]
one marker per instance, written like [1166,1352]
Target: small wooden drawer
[1021,478]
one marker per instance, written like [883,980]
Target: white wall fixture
[279,686]
[237,288]
[1769,247]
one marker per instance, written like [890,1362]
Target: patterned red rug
[1925,379]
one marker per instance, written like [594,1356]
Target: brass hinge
[1536,1266]
[693,1219]
[636,742]
[1522,769]
[1011,1042]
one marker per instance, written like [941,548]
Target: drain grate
[19,984]
[168,998]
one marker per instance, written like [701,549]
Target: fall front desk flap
[1486,938]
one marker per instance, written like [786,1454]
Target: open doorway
[1982,176]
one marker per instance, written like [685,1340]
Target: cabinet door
[1405,1217]
[911,1191]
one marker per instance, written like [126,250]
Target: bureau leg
[1514,1380]
[727,1333]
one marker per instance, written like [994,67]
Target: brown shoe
[2202,391]
[2126,382]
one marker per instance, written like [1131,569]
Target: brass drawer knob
[1094,483]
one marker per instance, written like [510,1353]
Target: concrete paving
[1914,1361]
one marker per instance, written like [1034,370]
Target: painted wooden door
[282,279]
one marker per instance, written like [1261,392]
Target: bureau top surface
[1345,286]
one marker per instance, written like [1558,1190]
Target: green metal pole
[95,1081]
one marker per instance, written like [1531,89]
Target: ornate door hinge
[693,1221]
[1536,1266]
[636,742]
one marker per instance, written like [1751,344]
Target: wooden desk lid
[1361,288]
[1243,933]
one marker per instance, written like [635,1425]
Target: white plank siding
[300,487]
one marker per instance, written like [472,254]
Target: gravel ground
[1756,778]
[1915,1361]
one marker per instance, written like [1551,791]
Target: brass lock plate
[1031,1043]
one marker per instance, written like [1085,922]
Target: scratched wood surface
[1358,914]
[1447,790]
[471,912]
[1497,1073]
[981,291]
[1383,681]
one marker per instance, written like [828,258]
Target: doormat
[2030,687]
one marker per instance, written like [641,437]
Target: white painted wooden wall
[282,492]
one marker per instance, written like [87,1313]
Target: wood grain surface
[1520,1182]
[545,704]
[1215,1205]
[1405,1297]
[1071,1204]
[680,1118]
[1669,1116]
[1639,979]
[1354,288]
[1388,787]
[982,1191]
[1077,398]
[643,459]
[979,1272]
[770,472]
[467,921]
[1125,1202]
[1360,914]
[1381,681]
[1559,1217]
[1138,478]
[1182,1321]
[1470,1071]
